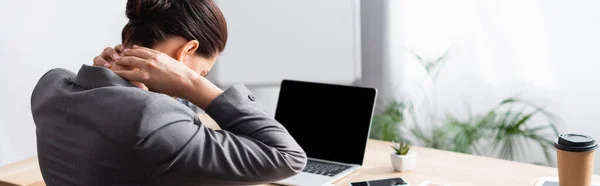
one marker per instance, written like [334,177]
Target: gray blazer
[95,128]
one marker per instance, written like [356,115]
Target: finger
[132,61]
[132,75]
[100,62]
[119,48]
[145,48]
[139,52]
[109,54]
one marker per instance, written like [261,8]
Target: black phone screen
[383,182]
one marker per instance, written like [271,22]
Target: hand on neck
[115,66]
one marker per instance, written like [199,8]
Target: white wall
[36,36]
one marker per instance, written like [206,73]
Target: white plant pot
[404,163]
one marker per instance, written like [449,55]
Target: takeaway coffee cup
[575,157]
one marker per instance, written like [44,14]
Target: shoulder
[58,72]
[53,76]
[44,88]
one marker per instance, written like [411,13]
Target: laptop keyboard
[324,168]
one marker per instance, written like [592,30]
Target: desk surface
[448,168]
[432,165]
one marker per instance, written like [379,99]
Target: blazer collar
[95,77]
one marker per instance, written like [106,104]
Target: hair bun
[146,10]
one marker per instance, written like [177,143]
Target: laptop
[331,123]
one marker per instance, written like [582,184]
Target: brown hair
[152,21]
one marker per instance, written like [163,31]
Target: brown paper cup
[575,157]
[575,168]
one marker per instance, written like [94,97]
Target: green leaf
[509,100]
[401,148]
[524,119]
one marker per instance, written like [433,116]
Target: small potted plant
[402,158]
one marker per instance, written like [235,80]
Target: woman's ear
[187,50]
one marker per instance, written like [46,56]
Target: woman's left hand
[108,56]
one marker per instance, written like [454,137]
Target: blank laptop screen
[330,122]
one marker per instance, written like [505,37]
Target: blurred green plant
[433,67]
[514,129]
[505,131]
[385,125]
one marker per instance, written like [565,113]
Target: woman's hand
[108,56]
[163,74]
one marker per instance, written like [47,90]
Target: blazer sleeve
[252,148]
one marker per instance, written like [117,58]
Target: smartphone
[553,181]
[382,182]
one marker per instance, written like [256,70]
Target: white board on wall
[271,40]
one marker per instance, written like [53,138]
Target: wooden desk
[432,165]
[22,173]
[448,168]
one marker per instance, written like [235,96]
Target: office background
[542,50]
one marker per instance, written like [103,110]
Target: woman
[121,126]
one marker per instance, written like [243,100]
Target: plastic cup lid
[575,143]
